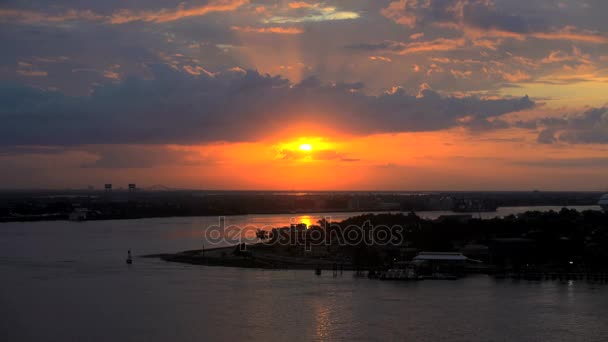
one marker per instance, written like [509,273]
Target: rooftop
[440,256]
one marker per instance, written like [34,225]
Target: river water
[67,281]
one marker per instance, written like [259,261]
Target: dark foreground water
[64,281]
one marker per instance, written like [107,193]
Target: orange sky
[451,160]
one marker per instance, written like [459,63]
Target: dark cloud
[176,107]
[113,156]
[479,15]
[589,127]
[486,17]
[546,136]
[133,156]
[10,151]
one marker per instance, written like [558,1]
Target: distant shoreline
[65,217]
[28,207]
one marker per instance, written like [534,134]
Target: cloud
[294,12]
[109,156]
[301,12]
[577,57]
[32,73]
[147,156]
[402,12]
[513,76]
[303,4]
[30,150]
[177,107]
[588,127]
[197,70]
[326,154]
[380,58]
[570,33]
[33,17]
[546,136]
[416,36]
[481,18]
[272,29]
[122,16]
[461,74]
[399,48]
[167,15]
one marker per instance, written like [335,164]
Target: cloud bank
[234,105]
[588,127]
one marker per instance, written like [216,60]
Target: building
[439,263]
[604,202]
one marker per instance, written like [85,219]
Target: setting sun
[306,147]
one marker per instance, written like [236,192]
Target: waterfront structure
[604,202]
[438,264]
[441,256]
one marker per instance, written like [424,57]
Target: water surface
[67,281]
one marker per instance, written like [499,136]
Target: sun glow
[306,147]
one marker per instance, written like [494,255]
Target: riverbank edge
[228,258]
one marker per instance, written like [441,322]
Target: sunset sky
[305,95]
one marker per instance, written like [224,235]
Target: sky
[305,95]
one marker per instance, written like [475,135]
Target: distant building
[604,202]
[132,187]
[108,187]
